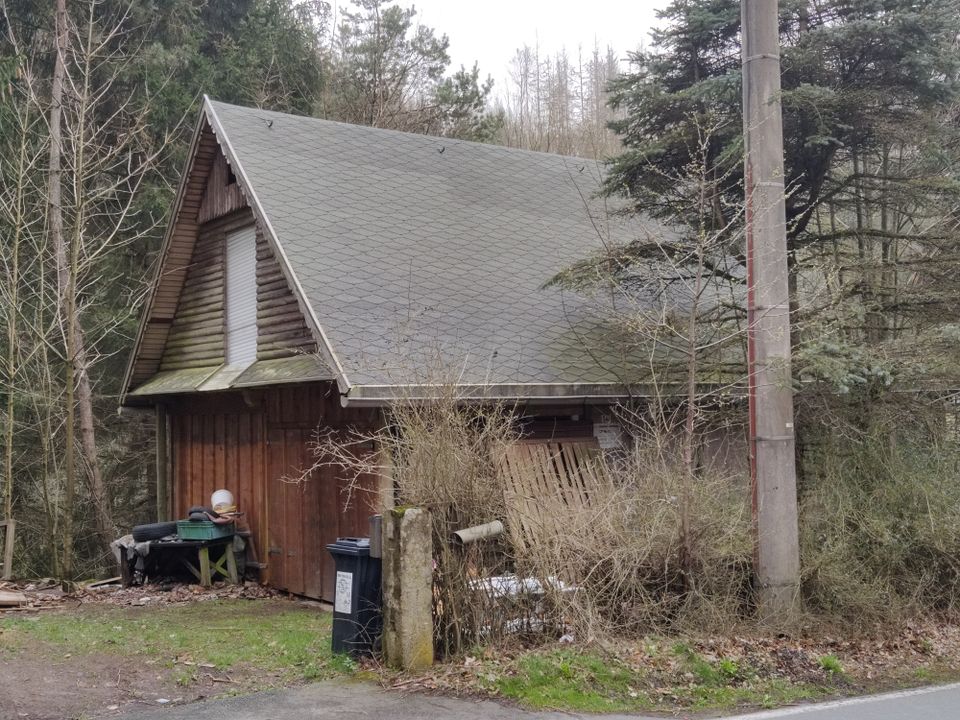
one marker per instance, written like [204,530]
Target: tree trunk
[77,351]
[106,528]
[57,241]
[11,368]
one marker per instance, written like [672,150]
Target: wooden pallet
[544,480]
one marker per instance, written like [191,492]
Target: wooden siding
[281,328]
[177,260]
[215,445]
[183,328]
[196,336]
[249,443]
[222,194]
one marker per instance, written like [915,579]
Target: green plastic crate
[202,530]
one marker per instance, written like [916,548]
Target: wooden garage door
[306,513]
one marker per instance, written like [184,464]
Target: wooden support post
[163,465]
[231,563]
[205,567]
[10,527]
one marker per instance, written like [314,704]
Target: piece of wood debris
[227,679]
[98,583]
[12,599]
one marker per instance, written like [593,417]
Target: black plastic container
[357,617]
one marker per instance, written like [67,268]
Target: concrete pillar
[407,588]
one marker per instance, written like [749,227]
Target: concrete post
[407,588]
[773,462]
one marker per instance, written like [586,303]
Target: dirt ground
[40,680]
[104,651]
[41,688]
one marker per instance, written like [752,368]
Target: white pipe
[478,532]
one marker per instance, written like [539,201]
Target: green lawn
[280,639]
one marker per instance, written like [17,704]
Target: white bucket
[222,501]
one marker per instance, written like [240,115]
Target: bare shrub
[880,512]
[442,455]
[625,553]
[646,547]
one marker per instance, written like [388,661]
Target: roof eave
[540,393]
[164,251]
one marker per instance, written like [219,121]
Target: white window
[241,309]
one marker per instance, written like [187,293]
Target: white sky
[489,31]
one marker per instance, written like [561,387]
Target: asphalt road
[354,700]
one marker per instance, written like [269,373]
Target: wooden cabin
[313,272]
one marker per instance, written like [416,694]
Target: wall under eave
[253,443]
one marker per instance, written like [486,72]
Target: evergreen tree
[871,150]
[390,72]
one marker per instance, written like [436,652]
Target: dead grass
[880,516]
[626,554]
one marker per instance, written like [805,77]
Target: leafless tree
[97,157]
[553,104]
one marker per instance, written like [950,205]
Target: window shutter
[241,300]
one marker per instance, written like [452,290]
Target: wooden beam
[12,599]
[10,527]
[163,464]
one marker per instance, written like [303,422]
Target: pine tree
[871,151]
[391,72]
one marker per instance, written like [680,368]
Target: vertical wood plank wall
[249,443]
[222,194]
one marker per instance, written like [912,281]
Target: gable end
[281,328]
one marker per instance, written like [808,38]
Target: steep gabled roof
[421,260]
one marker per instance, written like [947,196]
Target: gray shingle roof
[423,258]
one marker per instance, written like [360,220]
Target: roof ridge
[405,133]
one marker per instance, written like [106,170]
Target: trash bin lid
[350,546]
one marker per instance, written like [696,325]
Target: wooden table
[225,565]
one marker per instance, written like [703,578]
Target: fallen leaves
[47,595]
[916,651]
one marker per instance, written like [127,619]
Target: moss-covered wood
[281,328]
[196,337]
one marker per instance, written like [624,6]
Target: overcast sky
[489,31]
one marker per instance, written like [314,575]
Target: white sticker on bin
[342,603]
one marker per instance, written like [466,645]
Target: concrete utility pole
[772,459]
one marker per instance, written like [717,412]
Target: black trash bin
[357,618]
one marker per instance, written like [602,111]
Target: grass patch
[830,664]
[572,680]
[286,642]
[579,680]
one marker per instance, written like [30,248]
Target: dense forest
[98,98]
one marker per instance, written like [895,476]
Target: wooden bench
[225,565]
